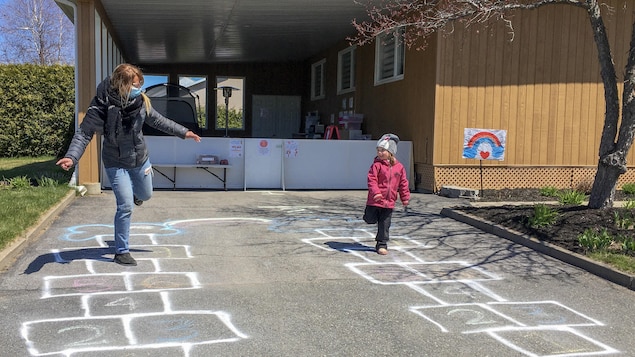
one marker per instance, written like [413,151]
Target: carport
[164,35]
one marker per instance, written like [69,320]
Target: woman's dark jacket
[121,124]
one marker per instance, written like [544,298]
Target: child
[386,179]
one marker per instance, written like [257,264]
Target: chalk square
[543,313]
[124,304]
[457,293]
[163,281]
[464,318]
[193,327]
[551,342]
[83,284]
[418,272]
[58,336]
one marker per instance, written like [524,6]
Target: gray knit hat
[388,142]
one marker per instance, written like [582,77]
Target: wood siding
[543,86]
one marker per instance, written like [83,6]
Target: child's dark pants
[382,217]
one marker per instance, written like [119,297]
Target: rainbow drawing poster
[484,144]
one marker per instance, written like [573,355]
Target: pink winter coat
[388,180]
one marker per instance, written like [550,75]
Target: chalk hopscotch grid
[100,327]
[407,269]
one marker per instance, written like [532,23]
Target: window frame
[314,80]
[397,47]
[340,70]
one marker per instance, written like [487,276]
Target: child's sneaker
[137,201]
[382,251]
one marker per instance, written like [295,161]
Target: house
[539,82]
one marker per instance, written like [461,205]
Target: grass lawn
[30,186]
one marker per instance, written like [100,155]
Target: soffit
[214,31]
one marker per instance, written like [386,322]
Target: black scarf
[121,113]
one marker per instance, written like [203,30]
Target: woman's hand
[190,135]
[65,163]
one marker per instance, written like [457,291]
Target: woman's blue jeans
[126,184]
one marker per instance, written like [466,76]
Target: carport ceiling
[225,31]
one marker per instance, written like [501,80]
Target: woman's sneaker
[125,259]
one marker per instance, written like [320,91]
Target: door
[275,116]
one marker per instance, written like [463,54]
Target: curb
[13,250]
[602,270]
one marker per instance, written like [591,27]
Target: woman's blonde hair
[122,79]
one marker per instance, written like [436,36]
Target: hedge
[37,111]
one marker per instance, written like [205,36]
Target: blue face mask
[134,92]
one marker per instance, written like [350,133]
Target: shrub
[37,114]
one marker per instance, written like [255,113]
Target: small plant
[571,197]
[623,221]
[548,191]
[543,216]
[628,245]
[46,182]
[629,188]
[629,204]
[20,182]
[592,240]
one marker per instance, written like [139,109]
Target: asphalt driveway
[272,273]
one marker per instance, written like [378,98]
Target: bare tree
[421,18]
[35,31]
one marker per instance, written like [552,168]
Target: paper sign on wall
[236,148]
[264,149]
[484,144]
[291,149]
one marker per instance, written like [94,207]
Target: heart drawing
[484,154]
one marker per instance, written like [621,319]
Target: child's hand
[378,197]
[405,203]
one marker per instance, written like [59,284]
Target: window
[230,103]
[346,70]
[317,80]
[389,58]
[197,85]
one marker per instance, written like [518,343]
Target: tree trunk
[612,161]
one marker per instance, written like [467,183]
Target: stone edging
[602,270]
[13,250]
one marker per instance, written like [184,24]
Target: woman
[118,111]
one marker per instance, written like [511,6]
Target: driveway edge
[602,270]
[11,252]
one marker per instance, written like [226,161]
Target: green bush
[38,110]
